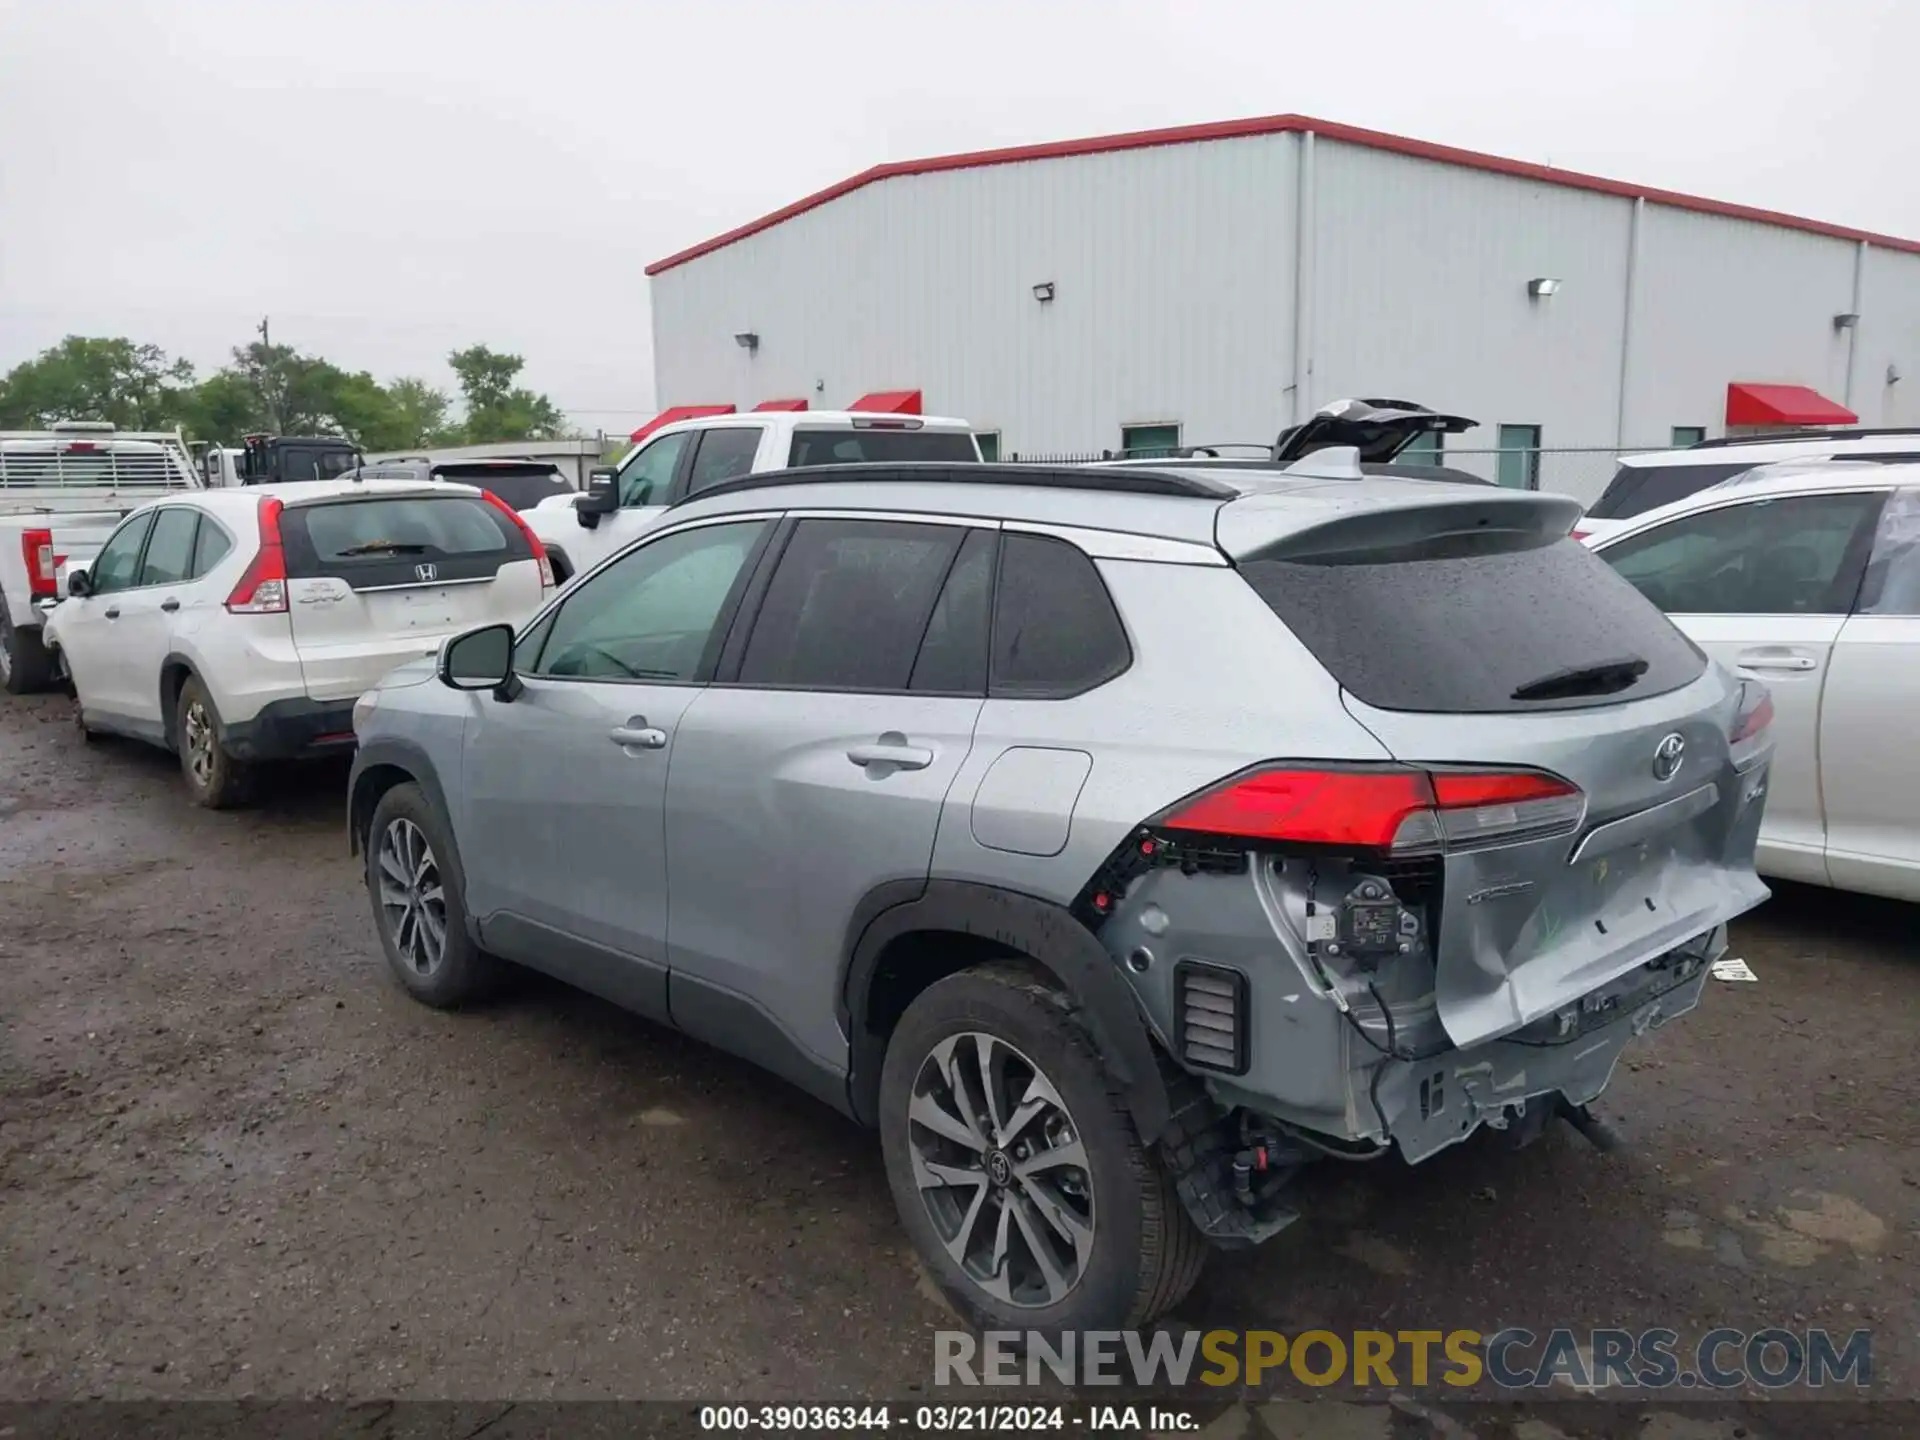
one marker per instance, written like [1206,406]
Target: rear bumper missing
[291,730]
[1570,1057]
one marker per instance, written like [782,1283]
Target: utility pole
[265,337]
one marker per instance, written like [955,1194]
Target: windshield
[1636,489]
[521,487]
[298,462]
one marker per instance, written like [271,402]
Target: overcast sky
[392,179]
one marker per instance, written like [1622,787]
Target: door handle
[113,612]
[1774,660]
[891,750]
[169,604]
[636,734]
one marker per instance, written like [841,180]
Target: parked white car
[1807,577]
[1660,477]
[235,626]
[623,502]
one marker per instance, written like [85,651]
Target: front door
[149,611]
[814,771]
[1763,586]
[565,784]
[90,635]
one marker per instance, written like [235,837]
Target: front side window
[1892,583]
[645,479]
[726,453]
[118,562]
[169,557]
[651,614]
[848,605]
[1799,555]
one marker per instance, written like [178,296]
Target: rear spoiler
[1339,525]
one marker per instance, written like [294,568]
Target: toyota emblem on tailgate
[1667,755]
[429,572]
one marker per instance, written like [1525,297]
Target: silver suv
[1115,843]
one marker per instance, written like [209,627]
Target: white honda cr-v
[235,626]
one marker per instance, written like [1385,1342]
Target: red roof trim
[781,405]
[887,402]
[1278,125]
[1753,404]
[673,414]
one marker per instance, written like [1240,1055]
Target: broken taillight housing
[1755,714]
[1392,808]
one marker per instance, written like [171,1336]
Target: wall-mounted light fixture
[1846,320]
[747,341]
[1893,374]
[1043,292]
[1542,288]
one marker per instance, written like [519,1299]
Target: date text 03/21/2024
[946,1418]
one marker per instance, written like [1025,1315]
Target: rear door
[1524,652]
[813,770]
[380,578]
[1870,781]
[1764,586]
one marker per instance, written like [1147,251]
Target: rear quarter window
[1055,631]
[841,447]
[1472,633]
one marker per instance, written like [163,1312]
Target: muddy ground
[236,1161]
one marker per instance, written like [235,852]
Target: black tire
[215,780]
[1144,1254]
[26,665]
[462,973]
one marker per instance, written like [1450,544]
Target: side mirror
[480,660]
[79,583]
[601,497]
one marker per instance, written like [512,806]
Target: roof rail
[1784,436]
[1046,477]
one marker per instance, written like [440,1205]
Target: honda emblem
[427,572]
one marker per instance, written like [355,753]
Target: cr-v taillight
[533,540]
[1383,807]
[263,587]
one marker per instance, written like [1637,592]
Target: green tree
[135,387]
[497,409]
[420,415]
[221,409]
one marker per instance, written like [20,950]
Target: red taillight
[263,588]
[36,547]
[81,447]
[1385,808]
[533,540]
[1753,720]
[1580,534]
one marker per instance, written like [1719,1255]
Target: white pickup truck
[684,458]
[62,493]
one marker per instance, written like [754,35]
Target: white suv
[234,626]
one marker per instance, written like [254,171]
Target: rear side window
[848,604]
[1636,489]
[414,539]
[169,556]
[726,453]
[1794,555]
[840,447]
[1055,631]
[1516,626]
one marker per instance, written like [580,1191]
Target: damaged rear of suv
[1114,843]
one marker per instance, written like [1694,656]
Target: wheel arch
[907,935]
[378,766]
[175,670]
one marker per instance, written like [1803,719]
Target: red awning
[677,412]
[781,405]
[888,402]
[1749,404]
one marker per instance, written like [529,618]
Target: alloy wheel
[1002,1170]
[197,735]
[413,900]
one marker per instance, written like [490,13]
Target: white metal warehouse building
[1215,283]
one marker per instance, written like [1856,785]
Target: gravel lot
[235,1160]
